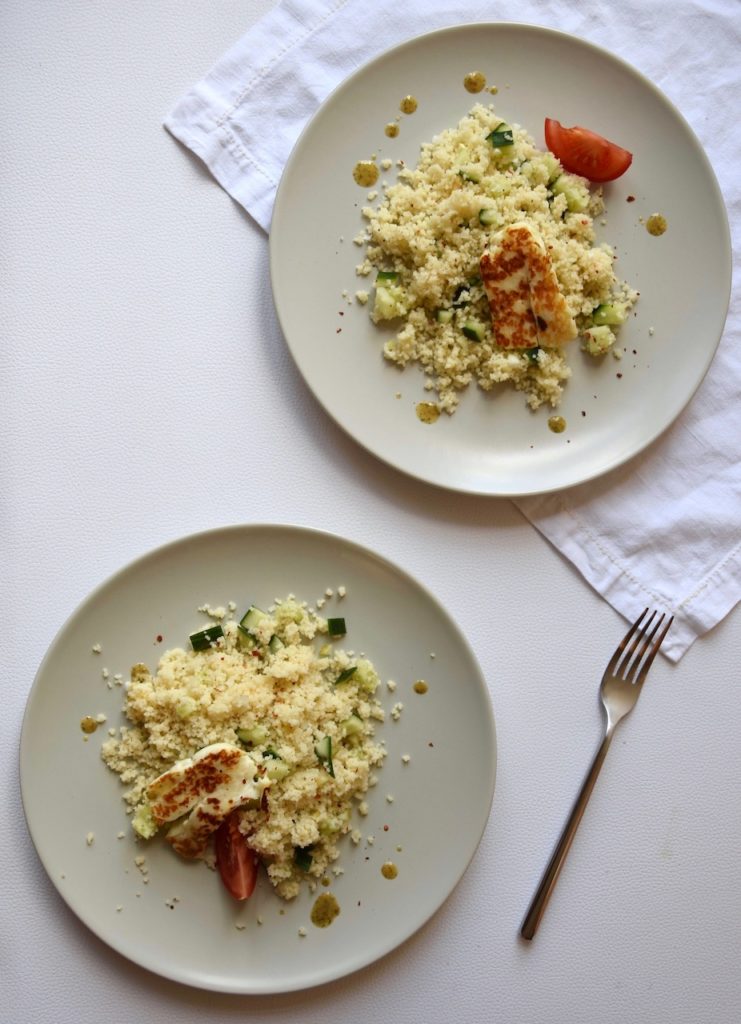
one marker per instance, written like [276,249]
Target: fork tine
[654,650]
[629,668]
[624,642]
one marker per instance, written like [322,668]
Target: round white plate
[494,444]
[441,799]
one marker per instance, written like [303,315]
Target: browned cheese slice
[526,304]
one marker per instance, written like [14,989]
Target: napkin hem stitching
[296,41]
[687,601]
[611,558]
[234,142]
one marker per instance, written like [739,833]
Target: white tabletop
[146,394]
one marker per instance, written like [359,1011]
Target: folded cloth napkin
[664,530]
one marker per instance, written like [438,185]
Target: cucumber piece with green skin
[253,737]
[345,674]
[205,638]
[532,354]
[474,331]
[336,627]
[609,314]
[251,620]
[489,218]
[390,300]
[303,857]
[472,174]
[352,726]
[444,316]
[502,136]
[576,194]
[323,750]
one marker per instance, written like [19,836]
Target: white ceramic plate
[441,799]
[493,444]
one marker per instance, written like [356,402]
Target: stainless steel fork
[619,691]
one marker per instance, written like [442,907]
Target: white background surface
[146,393]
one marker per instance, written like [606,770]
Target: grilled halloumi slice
[526,304]
[210,785]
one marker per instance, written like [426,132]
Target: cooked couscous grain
[428,235]
[308,731]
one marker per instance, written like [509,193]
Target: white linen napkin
[664,530]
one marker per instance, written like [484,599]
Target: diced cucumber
[390,300]
[251,620]
[185,708]
[275,643]
[303,857]
[143,822]
[277,769]
[577,194]
[470,174]
[609,314]
[336,627]
[461,296]
[501,136]
[444,316]
[252,737]
[202,640]
[345,674]
[532,354]
[489,218]
[597,340]
[365,675]
[352,726]
[323,750]
[474,331]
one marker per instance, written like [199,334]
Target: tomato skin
[586,153]
[236,862]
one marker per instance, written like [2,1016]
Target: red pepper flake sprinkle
[619,376]
[338,331]
[159,638]
[385,828]
[630,199]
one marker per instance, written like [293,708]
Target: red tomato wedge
[586,153]
[236,862]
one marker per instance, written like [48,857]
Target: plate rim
[536,29]
[184,976]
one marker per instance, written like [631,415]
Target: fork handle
[552,871]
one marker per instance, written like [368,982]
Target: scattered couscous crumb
[396,711]
[100,718]
[432,654]
[617,353]
[302,932]
[239,926]
[363,809]
[97,648]
[90,838]
[341,591]
[119,908]
[405,759]
[370,840]
[391,685]
[355,836]
[386,164]
[651,331]
[362,297]
[121,835]
[105,673]
[389,798]
[259,919]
